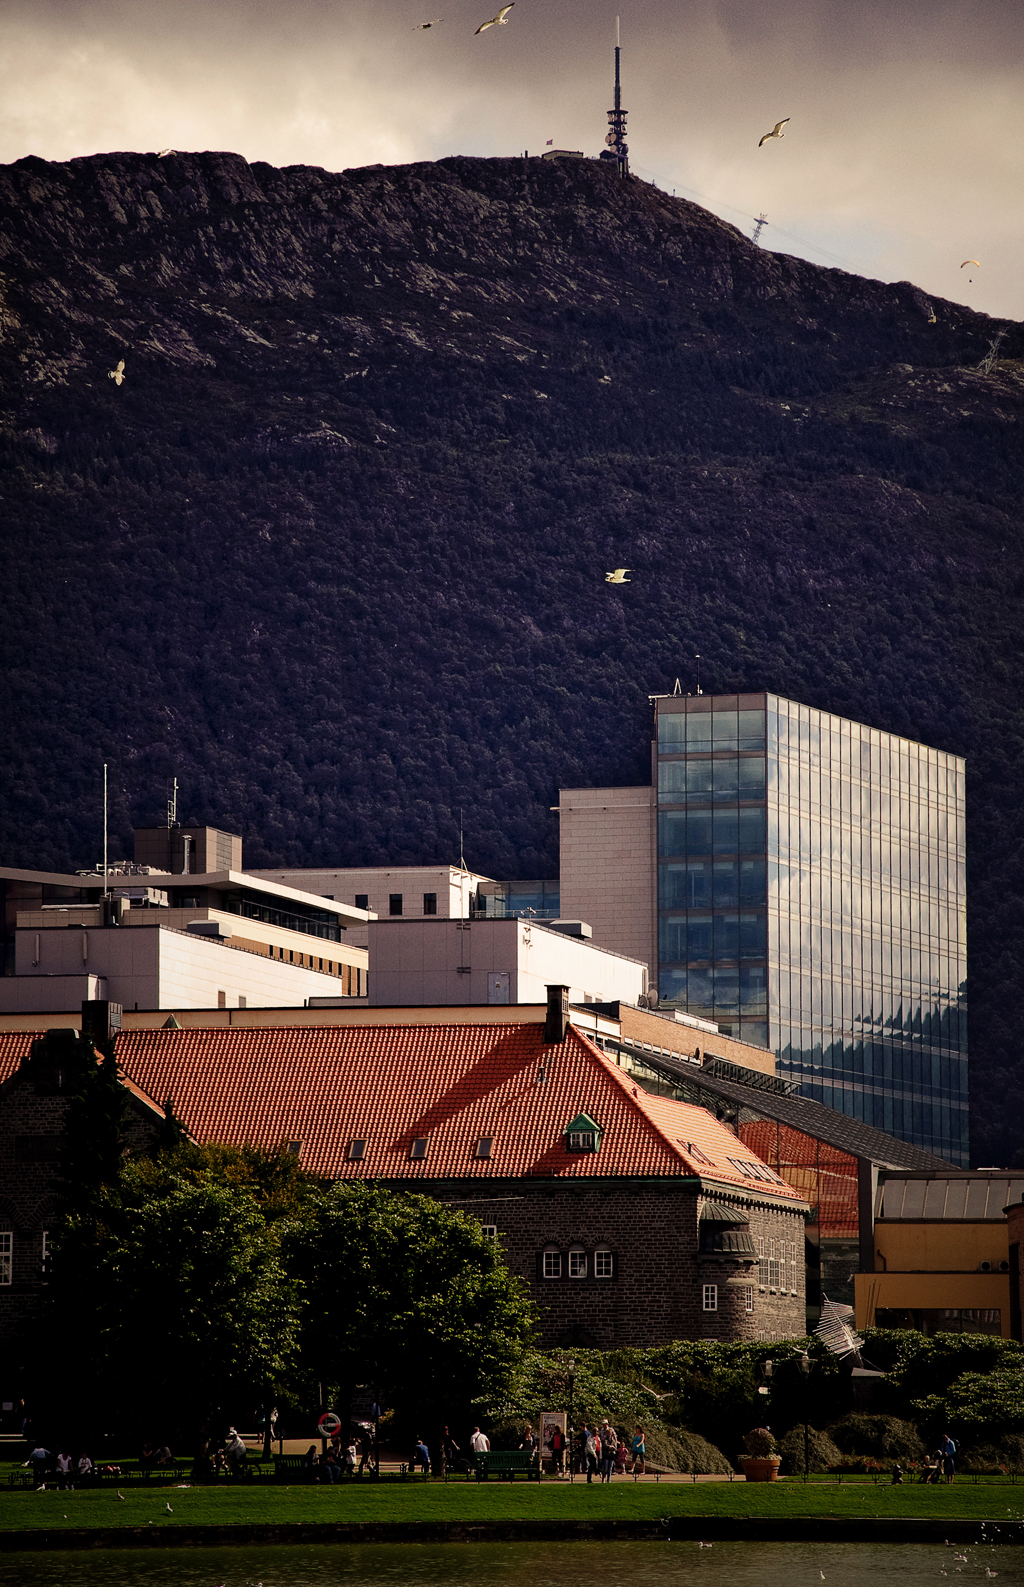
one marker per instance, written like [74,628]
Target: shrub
[678,1450]
[886,1437]
[822,1452]
[760,1442]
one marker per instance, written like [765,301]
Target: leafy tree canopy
[408,1296]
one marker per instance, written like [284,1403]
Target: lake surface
[522,1565]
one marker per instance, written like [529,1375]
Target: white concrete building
[160,968]
[397,892]
[439,962]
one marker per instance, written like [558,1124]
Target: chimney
[557,1022]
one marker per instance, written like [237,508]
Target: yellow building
[941,1253]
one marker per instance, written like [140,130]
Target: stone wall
[656,1291]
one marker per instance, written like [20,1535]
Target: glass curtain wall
[812,899]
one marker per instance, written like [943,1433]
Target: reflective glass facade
[811,899]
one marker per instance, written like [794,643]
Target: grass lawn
[280,1505]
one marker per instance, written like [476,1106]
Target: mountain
[333,552]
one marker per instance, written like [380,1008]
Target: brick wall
[657,1291]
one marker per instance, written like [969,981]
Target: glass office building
[811,899]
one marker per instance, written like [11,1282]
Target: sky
[903,155]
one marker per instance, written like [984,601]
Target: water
[572,1564]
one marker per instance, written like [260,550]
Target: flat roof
[225,880]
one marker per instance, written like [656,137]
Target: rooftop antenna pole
[172,806]
[106,887]
[762,221]
[699,689]
[462,870]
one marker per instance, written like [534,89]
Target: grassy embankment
[274,1505]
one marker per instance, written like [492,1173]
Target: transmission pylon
[762,221]
[993,352]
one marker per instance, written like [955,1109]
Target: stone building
[634,1218]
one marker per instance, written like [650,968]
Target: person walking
[479,1442]
[449,1452]
[65,1470]
[556,1444]
[609,1443]
[591,1451]
[949,1449]
[639,1452]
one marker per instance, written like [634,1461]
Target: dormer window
[418,1149]
[582,1134]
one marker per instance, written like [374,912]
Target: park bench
[507,1463]
[292,1468]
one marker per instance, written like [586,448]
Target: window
[577,1264]
[243,1002]
[748,1300]
[418,1148]
[362,900]
[697,1155]
[222,1000]
[762,1265]
[489,1231]
[46,1254]
[483,1145]
[294,1148]
[710,1297]
[776,1269]
[356,1151]
[552,1264]
[394,904]
[6,1255]
[430,903]
[581,1140]
[604,1263]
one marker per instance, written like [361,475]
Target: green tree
[187,1311]
[407,1296]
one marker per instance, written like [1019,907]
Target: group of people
[942,1462]
[339,1460]
[598,1450]
[63,1467]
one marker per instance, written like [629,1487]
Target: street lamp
[805,1372]
[572,1387]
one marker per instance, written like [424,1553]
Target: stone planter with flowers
[760,1463]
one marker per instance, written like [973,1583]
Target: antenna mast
[172,806]
[616,137]
[699,689]
[762,221]
[106,886]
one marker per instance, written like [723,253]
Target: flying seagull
[776,131]
[496,22]
[618,577]
[116,374]
[424,25]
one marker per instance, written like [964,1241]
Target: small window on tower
[710,1297]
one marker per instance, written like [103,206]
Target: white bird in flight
[116,374]
[776,131]
[422,26]
[498,21]
[618,577]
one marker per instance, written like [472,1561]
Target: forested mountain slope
[334,552]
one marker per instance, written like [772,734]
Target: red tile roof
[453,1084]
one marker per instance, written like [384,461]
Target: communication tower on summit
[617,147]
